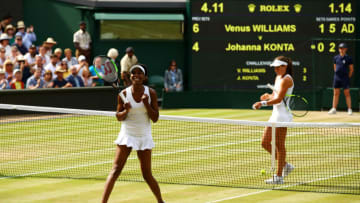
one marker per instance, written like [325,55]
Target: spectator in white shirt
[127,61]
[69,59]
[39,64]
[13,55]
[30,56]
[49,44]
[53,64]
[43,55]
[58,53]
[82,42]
[82,65]
[4,43]
[2,57]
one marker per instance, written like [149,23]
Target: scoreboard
[233,42]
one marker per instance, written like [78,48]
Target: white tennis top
[280,113]
[137,122]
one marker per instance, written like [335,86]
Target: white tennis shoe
[350,111]
[275,180]
[332,111]
[288,168]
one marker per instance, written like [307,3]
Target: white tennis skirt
[136,143]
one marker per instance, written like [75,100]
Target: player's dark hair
[145,68]
[288,61]
[171,62]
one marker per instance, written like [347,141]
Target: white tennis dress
[136,128]
[280,113]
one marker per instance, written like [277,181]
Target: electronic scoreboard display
[234,41]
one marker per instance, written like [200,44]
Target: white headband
[138,66]
[277,63]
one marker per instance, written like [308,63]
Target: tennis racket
[109,74]
[298,106]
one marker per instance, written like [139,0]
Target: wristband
[263,103]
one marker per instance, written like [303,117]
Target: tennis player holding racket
[135,113]
[284,85]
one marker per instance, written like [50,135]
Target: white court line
[282,187]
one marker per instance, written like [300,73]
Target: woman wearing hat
[284,85]
[135,113]
[10,31]
[4,43]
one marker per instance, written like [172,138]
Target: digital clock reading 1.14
[233,42]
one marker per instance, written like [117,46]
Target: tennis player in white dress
[284,85]
[139,108]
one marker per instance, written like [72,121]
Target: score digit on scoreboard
[233,42]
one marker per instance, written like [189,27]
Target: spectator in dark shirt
[59,81]
[19,44]
[343,70]
[74,79]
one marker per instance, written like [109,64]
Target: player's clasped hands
[145,98]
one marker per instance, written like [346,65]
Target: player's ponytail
[288,60]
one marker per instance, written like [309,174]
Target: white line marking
[282,187]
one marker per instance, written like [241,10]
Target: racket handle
[123,98]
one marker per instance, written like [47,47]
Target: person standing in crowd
[17,82]
[59,81]
[4,84]
[19,44]
[74,79]
[97,72]
[69,59]
[35,81]
[10,31]
[29,36]
[4,43]
[173,80]
[6,20]
[127,61]
[82,42]
[343,70]
[30,56]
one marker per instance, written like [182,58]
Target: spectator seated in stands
[58,53]
[29,36]
[74,79]
[4,43]
[44,56]
[2,57]
[49,44]
[9,68]
[59,81]
[25,69]
[173,80]
[64,66]
[13,55]
[39,64]
[97,71]
[17,82]
[88,82]
[4,84]
[127,61]
[48,82]
[10,31]
[19,44]
[52,65]
[69,59]
[35,81]
[6,20]
[30,56]
[83,64]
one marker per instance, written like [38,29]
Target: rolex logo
[251,8]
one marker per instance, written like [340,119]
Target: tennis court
[213,161]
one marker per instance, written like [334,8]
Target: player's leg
[145,163]
[266,139]
[122,153]
[280,149]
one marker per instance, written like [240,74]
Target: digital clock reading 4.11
[234,41]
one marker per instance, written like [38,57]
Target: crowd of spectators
[23,65]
